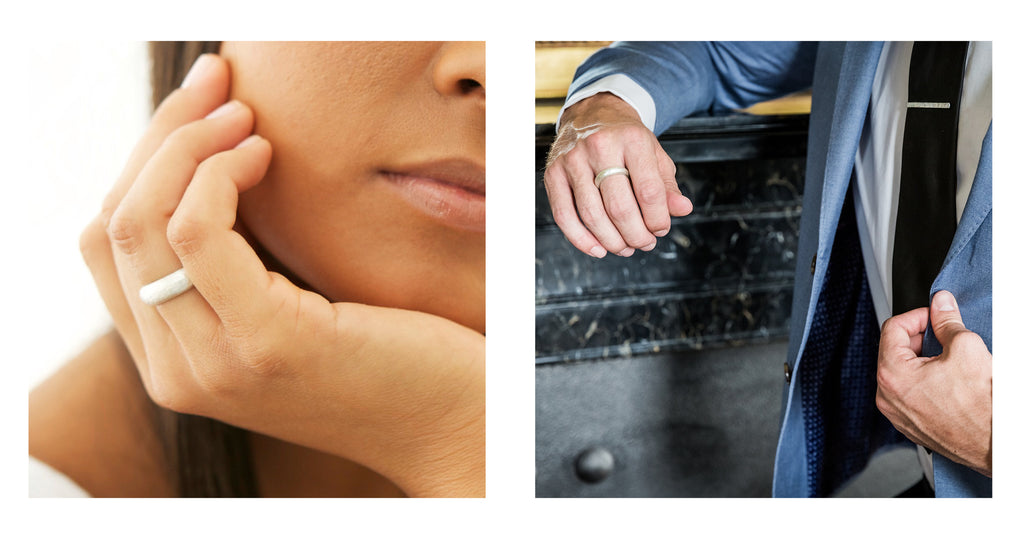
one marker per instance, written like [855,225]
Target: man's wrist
[602,108]
[622,86]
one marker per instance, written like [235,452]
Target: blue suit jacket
[684,78]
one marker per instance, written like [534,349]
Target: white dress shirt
[879,157]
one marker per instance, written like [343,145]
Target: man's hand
[625,214]
[944,402]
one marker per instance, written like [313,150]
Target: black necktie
[926,218]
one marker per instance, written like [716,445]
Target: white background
[74,106]
[89,104]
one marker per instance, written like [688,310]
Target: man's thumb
[945,317]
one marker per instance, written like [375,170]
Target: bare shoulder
[93,422]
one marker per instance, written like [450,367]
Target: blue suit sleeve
[684,78]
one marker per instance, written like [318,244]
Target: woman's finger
[138,228]
[206,87]
[155,195]
[222,266]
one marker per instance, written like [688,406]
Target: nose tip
[460,70]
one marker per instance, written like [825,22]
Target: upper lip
[458,172]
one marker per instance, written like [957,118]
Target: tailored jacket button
[594,465]
[788,371]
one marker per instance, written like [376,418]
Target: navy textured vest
[838,369]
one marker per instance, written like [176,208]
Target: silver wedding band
[613,171]
[165,288]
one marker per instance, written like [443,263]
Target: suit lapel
[843,76]
[979,202]
[852,91]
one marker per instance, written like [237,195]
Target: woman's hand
[624,214]
[401,392]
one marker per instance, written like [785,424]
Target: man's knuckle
[657,222]
[600,141]
[648,192]
[589,214]
[563,216]
[579,239]
[940,325]
[882,381]
[965,339]
[636,135]
[549,177]
[665,163]
[577,165]
[887,380]
[619,208]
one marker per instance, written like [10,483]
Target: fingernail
[661,233]
[251,139]
[597,252]
[652,245]
[944,301]
[226,108]
[200,68]
[627,251]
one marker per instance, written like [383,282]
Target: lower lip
[450,204]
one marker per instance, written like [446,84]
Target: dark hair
[206,458]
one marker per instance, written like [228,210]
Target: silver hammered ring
[613,171]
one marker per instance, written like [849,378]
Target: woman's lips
[453,192]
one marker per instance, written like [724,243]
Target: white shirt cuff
[622,87]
